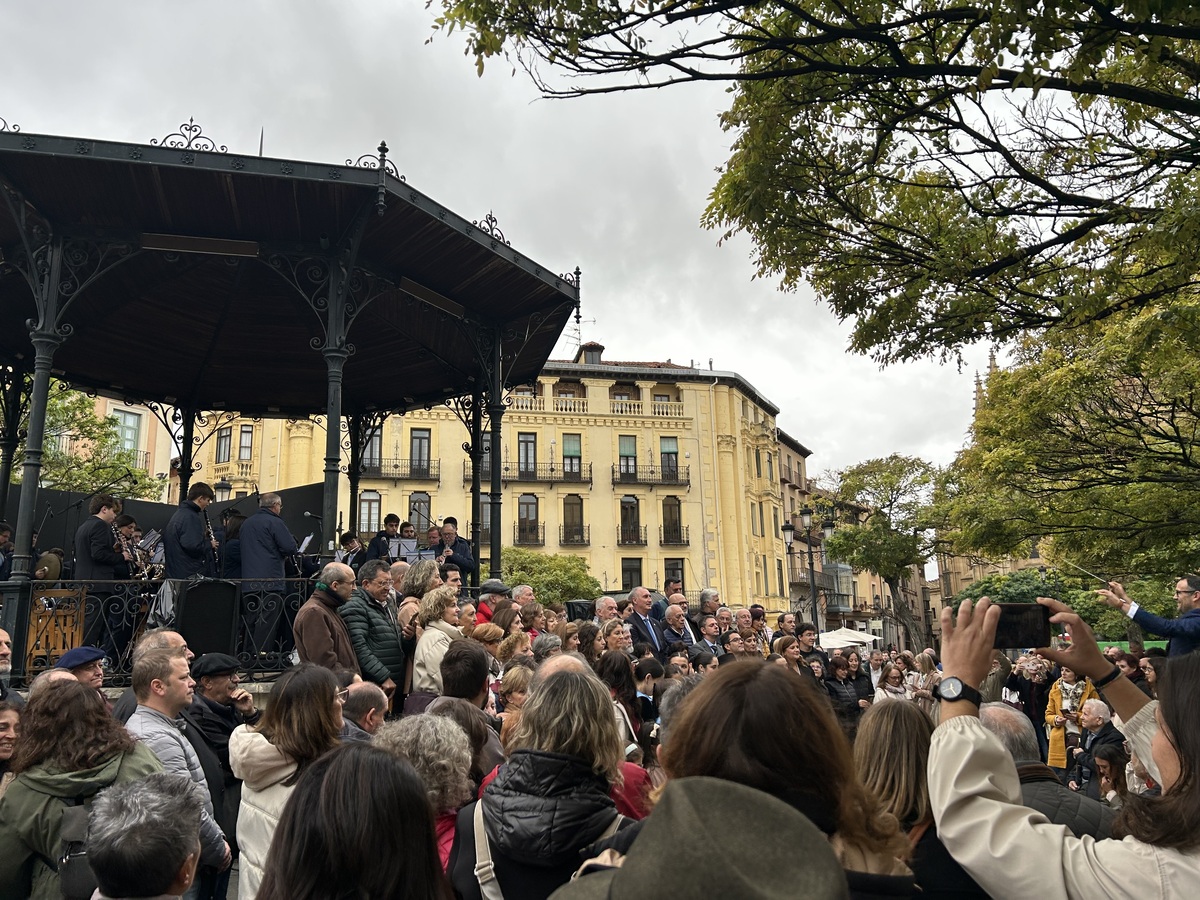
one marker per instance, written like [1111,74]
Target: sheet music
[304,543]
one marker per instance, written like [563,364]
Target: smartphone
[1022,625]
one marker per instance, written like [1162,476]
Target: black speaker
[207,616]
[580,609]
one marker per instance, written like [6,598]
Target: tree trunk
[914,625]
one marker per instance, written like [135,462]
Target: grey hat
[214,664]
[494,586]
[674,851]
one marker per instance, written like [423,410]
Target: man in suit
[644,629]
[710,633]
[1096,722]
[96,559]
[675,626]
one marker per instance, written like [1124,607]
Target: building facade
[648,470]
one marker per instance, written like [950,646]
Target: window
[775,520]
[418,452]
[572,457]
[668,454]
[418,510]
[672,519]
[129,428]
[485,459]
[761,525]
[527,454]
[779,575]
[246,442]
[573,519]
[622,394]
[631,521]
[373,450]
[527,519]
[224,444]
[753,521]
[673,571]
[591,357]
[662,398]
[485,523]
[369,505]
[631,574]
[758,464]
[770,467]
[627,451]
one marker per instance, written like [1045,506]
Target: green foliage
[1089,443]
[555,578]
[83,452]
[1024,586]
[940,172]
[888,504]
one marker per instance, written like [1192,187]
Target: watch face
[951,689]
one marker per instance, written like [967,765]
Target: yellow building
[646,469]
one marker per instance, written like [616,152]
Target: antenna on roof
[262,132]
[576,332]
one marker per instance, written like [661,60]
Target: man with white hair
[606,608]
[1096,722]
[7,694]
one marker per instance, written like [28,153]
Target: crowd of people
[496,748]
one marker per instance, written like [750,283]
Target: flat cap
[79,656]
[214,664]
[494,586]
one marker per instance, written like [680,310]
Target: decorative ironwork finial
[490,227]
[190,136]
[572,278]
[373,161]
[4,126]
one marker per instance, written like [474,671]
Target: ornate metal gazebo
[194,279]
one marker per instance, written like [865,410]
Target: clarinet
[136,569]
[208,533]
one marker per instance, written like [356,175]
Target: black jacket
[1084,770]
[266,542]
[460,555]
[540,813]
[186,548]
[844,697]
[641,635]
[95,556]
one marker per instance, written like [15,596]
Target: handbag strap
[485,869]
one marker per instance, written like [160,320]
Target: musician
[386,544]
[96,559]
[231,547]
[126,569]
[454,549]
[352,553]
[188,542]
[266,545]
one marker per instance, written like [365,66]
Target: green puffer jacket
[31,815]
[375,636]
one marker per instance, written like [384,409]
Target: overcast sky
[613,184]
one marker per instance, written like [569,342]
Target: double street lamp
[788,529]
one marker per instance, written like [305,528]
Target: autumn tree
[887,530]
[555,578]
[940,172]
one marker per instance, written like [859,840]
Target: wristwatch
[951,689]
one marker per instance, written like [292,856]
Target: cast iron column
[495,415]
[476,459]
[12,432]
[44,345]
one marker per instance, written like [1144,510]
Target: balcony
[627,473]
[574,535]
[579,406]
[660,409]
[402,469]
[141,459]
[529,534]
[526,403]
[571,405]
[632,536]
[673,536]
[551,473]
[485,534]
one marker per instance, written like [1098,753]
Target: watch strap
[1107,679]
[968,693]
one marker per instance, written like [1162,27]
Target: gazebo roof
[214,251]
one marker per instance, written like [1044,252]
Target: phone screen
[1022,625]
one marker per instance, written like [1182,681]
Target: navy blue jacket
[186,548]
[1184,632]
[460,555]
[266,542]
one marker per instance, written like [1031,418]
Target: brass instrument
[137,568]
[212,539]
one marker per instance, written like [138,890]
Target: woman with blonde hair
[514,688]
[892,685]
[891,756]
[927,677]
[550,799]
[616,636]
[761,727]
[437,617]
[490,636]
[568,633]
[419,578]
[516,644]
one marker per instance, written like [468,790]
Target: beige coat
[263,768]
[427,664]
[1014,851]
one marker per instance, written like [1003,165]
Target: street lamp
[806,519]
[222,488]
[789,535]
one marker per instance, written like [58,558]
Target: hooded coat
[31,816]
[541,811]
[263,768]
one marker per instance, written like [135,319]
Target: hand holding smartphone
[1022,625]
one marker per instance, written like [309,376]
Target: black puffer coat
[376,637]
[539,813]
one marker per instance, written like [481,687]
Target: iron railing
[628,473]
[402,469]
[552,473]
[631,535]
[574,535]
[530,534]
[673,535]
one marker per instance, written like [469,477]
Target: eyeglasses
[342,695]
[1177,593]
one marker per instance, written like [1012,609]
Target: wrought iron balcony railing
[529,534]
[402,469]
[673,535]
[572,470]
[574,535]
[631,535]
[628,473]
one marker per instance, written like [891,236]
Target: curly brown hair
[67,726]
